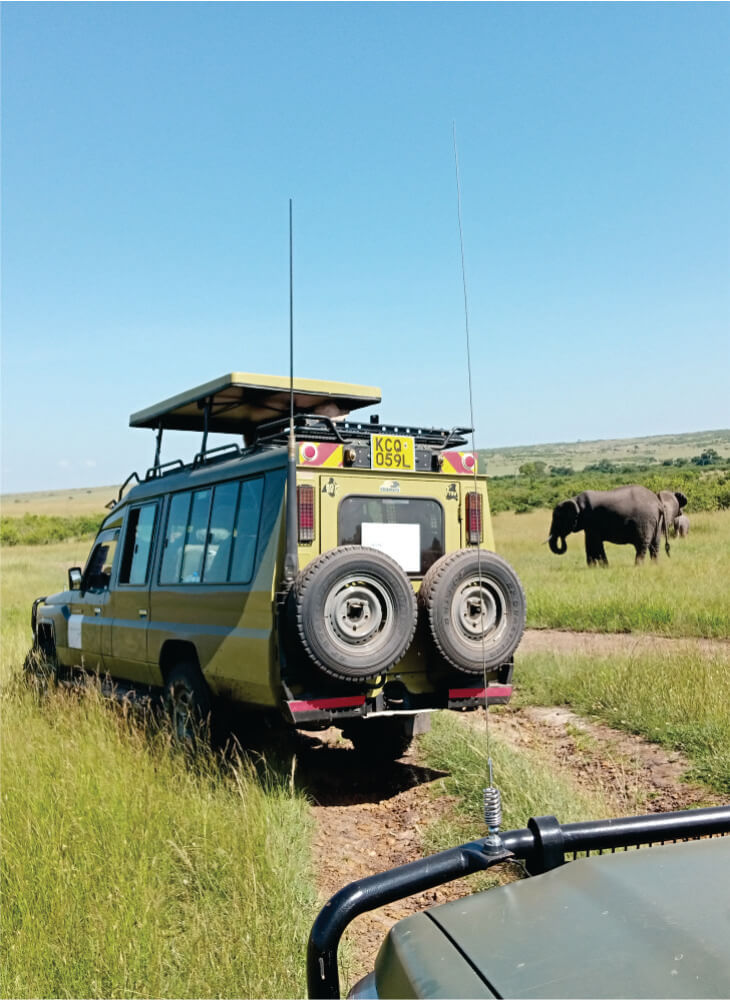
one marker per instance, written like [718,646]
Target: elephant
[681,526]
[627,515]
[673,504]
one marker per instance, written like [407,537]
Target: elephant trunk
[557,544]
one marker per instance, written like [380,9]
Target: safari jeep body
[617,922]
[189,567]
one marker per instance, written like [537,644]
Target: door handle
[97,611]
[143,612]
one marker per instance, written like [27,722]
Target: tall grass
[678,699]
[530,783]
[125,871]
[684,595]
[27,572]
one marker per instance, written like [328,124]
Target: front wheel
[475,609]
[40,668]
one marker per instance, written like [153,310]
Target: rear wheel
[354,612]
[188,704]
[475,609]
[379,739]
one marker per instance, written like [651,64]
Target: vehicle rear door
[414,518]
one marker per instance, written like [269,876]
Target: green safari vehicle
[618,922]
[340,575]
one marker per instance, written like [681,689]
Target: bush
[43,529]
[707,487]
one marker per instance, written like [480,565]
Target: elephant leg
[641,551]
[655,542]
[595,552]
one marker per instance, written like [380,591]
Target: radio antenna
[291,556]
[492,796]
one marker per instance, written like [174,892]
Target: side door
[88,621]
[129,605]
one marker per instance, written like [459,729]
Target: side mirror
[74,578]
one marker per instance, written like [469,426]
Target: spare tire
[475,608]
[354,612]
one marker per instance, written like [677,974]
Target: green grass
[27,572]
[684,595]
[530,783]
[126,872]
[678,699]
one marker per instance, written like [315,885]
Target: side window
[220,533]
[177,521]
[138,544]
[98,569]
[196,538]
[246,531]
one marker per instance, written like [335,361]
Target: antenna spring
[492,809]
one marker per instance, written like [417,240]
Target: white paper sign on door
[401,542]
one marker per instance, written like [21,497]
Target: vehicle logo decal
[390,486]
[321,454]
[461,463]
[330,487]
[452,493]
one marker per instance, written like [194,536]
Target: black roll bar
[542,845]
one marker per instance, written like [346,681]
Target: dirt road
[369,819]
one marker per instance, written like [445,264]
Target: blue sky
[149,152]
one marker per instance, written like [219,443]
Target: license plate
[392,453]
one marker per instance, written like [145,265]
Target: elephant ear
[570,512]
[681,499]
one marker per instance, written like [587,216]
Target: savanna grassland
[128,872]
[683,595]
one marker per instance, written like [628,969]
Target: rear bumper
[460,695]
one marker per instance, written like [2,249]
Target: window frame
[192,490]
[114,534]
[377,496]
[151,555]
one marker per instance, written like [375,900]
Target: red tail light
[305,513]
[473,518]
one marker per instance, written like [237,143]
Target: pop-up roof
[240,401]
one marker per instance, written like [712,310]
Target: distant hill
[500,462]
[620,451]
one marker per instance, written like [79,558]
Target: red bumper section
[326,709]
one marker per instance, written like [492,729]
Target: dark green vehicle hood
[644,923]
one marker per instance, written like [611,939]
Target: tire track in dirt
[538,640]
[372,817]
[369,818]
[635,775]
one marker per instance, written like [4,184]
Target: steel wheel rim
[359,614]
[478,611]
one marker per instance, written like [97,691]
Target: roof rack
[308,428]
